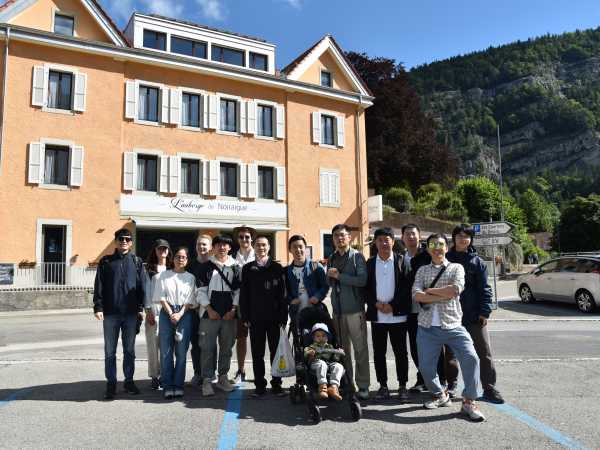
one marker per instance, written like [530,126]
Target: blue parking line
[550,432]
[230,425]
[14,396]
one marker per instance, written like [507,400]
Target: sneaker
[493,396]
[111,389]
[196,380]
[207,389]
[178,393]
[418,387]
[131,388]
[402,394]
[169,393]
[452,390]
[259,392]
[472,411]
[382,394]
[155,384]
[240,377]
[363,394]
[437,402]
[224,384]
[277,390]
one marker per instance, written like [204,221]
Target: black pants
[412,327]
[195,340]
[260,333]
[397,333]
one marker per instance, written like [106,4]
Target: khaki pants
[152,345]
[352,333]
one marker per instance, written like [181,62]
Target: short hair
[122,232]
[410,225]
[261,236]
[434,236]
[463,228]
[204,236]
[385,231]
[220,239]
[182,247]
[341,227]
[294,238]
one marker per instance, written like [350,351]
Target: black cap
[220,239]
[161,243]
[123,232]
[386,231]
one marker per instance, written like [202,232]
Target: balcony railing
[51,276]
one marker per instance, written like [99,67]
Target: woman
[176,294]
[159,259]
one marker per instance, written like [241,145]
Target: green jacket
[348,293]
[328,357]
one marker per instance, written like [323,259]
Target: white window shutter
[251,116]
[324,187]
[340,120]
[164,103]
[175,106]
[243,110]
[174,174]
[212,112]
[79,97]
[316,127]
[39,86]
[280,183]
[130,99]
[129,171]
[76,176]
[35,170]
[205,107]
[214,178]
[205,177]
[252,180]
[164,174]
[334,188]
[243,169]
[280,128]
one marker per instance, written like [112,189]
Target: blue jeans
[112,325]
[430,341]
[173,372]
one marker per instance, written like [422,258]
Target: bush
[450,207]
[399,198]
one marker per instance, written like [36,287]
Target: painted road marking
[229,428]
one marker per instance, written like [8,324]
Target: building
[168,128]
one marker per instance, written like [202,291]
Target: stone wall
[35,300]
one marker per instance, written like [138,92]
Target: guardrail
[51,276]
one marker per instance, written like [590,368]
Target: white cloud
[297,4]
[163,7]
[212,9]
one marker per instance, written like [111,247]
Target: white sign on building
[375,205]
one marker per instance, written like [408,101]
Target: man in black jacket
[388,305]
[264,310]
[118,303]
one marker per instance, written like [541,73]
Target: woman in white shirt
[176,294]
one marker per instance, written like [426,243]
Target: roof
[7,4]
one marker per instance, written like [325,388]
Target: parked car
[565,279]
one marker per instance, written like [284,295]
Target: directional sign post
[489,241]
[492,228]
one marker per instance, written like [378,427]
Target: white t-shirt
[386,285]
[302,292]
[152,287]
[242,260]
[176,288]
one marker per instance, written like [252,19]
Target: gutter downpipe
[358,169]
[3,100]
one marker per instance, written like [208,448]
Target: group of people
[434,298]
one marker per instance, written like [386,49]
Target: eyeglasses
[433,245]
[245,238]
[124,239]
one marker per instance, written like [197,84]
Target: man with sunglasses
[119,291]
[437,289]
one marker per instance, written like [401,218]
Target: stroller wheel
[301,394]
[314,413]
[356,411]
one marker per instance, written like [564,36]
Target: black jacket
[119,287]
[422,258]
[262,294]
[476,299]
[401,304]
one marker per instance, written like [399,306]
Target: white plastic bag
[283,364]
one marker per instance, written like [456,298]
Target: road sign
[492,228]
[491,241]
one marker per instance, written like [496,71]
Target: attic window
[64,24]
[326,78]
[154,39]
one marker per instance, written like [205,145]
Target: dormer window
[258,61]
[326,79]
[227,55]
[155,40]
[63,24]
[188,47]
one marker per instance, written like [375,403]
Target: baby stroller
[301,325]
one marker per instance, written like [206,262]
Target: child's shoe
[323,391]
[334,392]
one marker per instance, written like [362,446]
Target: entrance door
[54,240]
[144,238]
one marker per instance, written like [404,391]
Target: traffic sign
[491,241]
[492,228]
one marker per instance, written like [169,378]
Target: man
[244,255]
[203,248]
[388,305]
[347,274]
[476,303]
[264,311]
[437,289]
[119,291]
[218,296]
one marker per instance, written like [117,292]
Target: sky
[410,32]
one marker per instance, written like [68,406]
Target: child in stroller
[325,360]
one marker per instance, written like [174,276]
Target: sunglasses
[433,245]
[124,239]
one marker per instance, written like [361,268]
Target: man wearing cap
[119,291]
[245,254]
[388,305]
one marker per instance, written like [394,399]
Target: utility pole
[500,172]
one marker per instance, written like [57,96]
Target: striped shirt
[449,312]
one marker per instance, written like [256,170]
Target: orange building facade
[169,129]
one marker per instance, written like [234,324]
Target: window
[264,125]
[146,173]
[588,266]
[265,182]
[258,61]
[567,265]
[229,179]
[326,78]
[56,165]
[188,47]
[155,40]
[190,176]
[148,104]
[327,245]
[227,55]
[329,185]
[551,266]
[327,130]
[190,110]
[60,87]
[64,24]
[228,115]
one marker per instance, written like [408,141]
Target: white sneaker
[207,389]
[177,393]
[472,411]
[437,402]
[224,384]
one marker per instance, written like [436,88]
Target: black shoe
[277,390]
[111,389]
[259,392]
[155,384]
[382,394]
[402,394]
[452,388]
[493,396]
[418,387]
[131,388]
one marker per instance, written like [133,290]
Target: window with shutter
[164,174]
[214,178]
[39,85]
[76,176]
[253,180]
[280,180]
[175,173]
[35,163]
[79,98]
[129,171]
[316,127]
[340,137]
[280,129]
[329,182]
[130,99]
[175,107]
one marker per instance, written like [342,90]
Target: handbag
[222,301]
[283,363]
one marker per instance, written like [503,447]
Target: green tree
[578,229]
[399,198]
[450,207]
[481,197]
[539,214]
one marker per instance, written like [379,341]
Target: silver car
[571,279]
